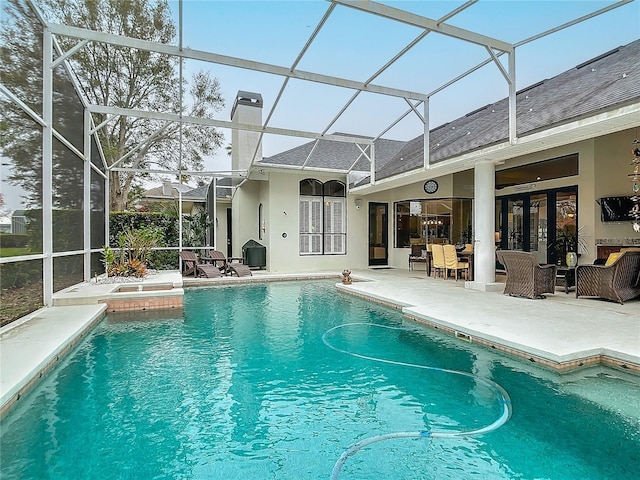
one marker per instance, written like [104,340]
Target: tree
[135,79]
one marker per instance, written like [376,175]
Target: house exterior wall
[221,226]
[604,163]
[603,168]
[610,180]
[398,257]
[280,199]
[244,214]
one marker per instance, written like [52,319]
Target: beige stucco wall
[614,164]
[244,214]
[398,257]
[221,225]
[282,227]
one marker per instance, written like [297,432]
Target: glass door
[544,223]
[566,238]
[515,224]
[538,226]
[378,234]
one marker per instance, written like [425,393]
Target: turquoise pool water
[241,385]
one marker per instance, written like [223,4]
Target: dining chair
[452,263]
[438,263]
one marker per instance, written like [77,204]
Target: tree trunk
[117,197]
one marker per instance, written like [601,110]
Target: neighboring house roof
[160,193]
[189,194]
[334,155]
[198,194]
[608,81]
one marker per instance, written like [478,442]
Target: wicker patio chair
[617,282]
[191,265]
[525,276]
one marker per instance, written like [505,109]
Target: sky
[355,45]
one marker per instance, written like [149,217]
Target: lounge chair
[191,265]
[238,269]
[220,260]
[525,276]
[619,281]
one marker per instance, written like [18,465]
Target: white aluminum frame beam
[408,18]
[310,40]
[47,168]
[121,41]
[222,124]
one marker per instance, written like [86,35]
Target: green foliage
[142,80]
[166,226]
[194,228]
[163,260]
[13,240]
[138,232]
[20,274]
[108,258]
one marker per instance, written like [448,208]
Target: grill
[254,254]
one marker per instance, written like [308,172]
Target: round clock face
[430,186]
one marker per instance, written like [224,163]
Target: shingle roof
[608,81]
[335,155]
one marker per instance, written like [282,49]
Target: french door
[538,222]
[378,234]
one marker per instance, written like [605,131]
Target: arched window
[323,214]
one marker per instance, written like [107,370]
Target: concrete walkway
[561,332]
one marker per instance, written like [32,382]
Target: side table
[566,277]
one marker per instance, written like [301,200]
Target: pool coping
[32,347]
[559,363]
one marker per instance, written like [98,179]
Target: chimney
[167,189]
[247,109]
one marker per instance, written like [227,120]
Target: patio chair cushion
[612,258]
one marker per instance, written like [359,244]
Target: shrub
[13,240]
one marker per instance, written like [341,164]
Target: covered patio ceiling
[395,72]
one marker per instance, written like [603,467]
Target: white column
[484,206]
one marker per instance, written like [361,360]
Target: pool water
[241,385]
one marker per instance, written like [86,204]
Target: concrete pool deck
[560,332]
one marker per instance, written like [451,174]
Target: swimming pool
[242,385]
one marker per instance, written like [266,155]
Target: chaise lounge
[525,276]
[228,267]
[619,281]
[191,265]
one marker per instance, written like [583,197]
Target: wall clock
[430,186]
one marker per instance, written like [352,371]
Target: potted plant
[570,244]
